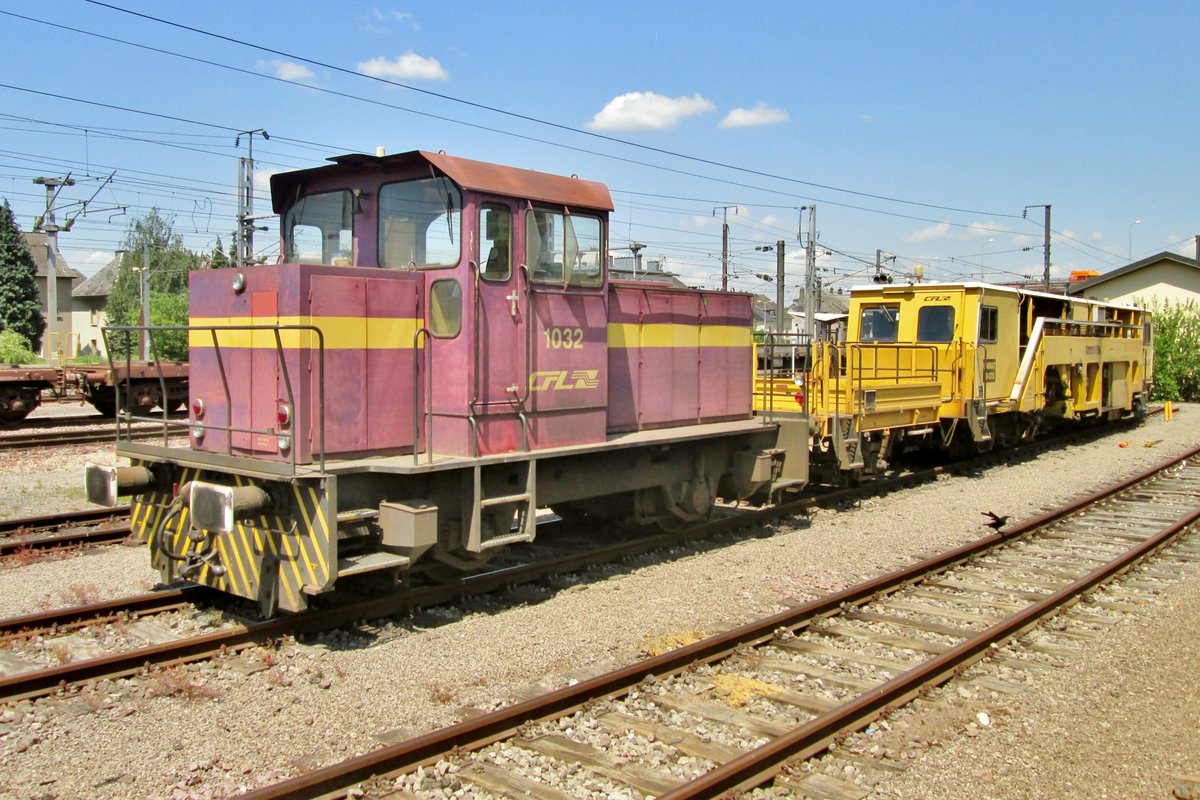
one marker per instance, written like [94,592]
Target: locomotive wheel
[106,406]
[12,417]
[17,405]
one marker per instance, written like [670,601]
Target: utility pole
[809,272]
[779,299]
[48,226]
[144,307]
[1045,245]
[244,245]
[724,245]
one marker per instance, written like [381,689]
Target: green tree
[14,349]
[1176,350]
[218,258]
[20,308]
[170,263]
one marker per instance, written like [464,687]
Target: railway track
[747,707]
[53,437]
[68,529]
[33,423]
[26,680]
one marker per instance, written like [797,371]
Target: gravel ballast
[214,729]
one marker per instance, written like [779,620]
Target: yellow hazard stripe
[341,333]
[633,334]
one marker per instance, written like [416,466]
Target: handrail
[422,341]
[129,418]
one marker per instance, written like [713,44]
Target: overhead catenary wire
[326,148]
[533,119]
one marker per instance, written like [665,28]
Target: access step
[370,562]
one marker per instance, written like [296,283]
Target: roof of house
[36,242]
[828,303]
[1083,286]
[100,284]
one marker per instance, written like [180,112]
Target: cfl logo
[553,380]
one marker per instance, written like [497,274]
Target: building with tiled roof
[58,330]
[89,300]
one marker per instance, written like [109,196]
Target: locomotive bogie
[21,390]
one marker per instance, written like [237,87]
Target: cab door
[499,350]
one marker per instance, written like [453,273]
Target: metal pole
[1046,252]
[144,311]
[725,245]
[50,227]
[779,293]
[245,227]
[809,272]
[724,256]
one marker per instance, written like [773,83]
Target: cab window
[563,249]
[445,308]
[319,230]
[420,224]
[495,241]
[935,324]
[989,325]
[879,323]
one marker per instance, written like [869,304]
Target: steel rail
[62,439]
[757,766]
[747,770]
[87,516]
[106,534]
[151,602]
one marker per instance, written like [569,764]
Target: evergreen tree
[20,308]
[218,258]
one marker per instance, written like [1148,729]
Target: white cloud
[409,65]
[262,180]
[288,70]
[931,234]
[390,16]
[647,111]
[761,114]
[380,22]
[867,118]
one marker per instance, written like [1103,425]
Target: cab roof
[479,176]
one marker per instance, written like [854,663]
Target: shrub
[1176,351]
[14,349]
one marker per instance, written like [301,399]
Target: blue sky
[920,129]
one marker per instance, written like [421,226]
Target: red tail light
[283,414]
[198,408]
[800,398]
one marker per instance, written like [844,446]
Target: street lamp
[1135,222]
[636,248]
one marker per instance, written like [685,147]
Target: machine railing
[783,374]
[843,369]
[126,419]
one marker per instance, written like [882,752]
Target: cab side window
[989,325]
[495,241]
[563,249]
